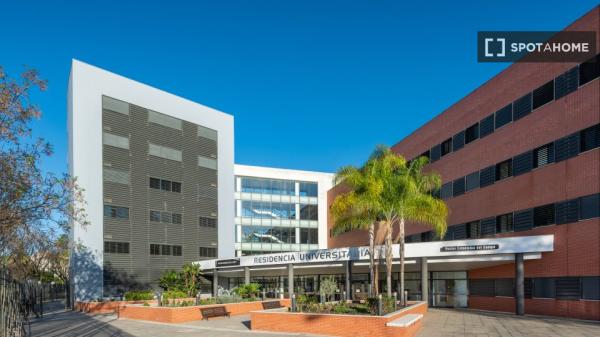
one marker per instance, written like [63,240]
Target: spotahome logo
[566,46]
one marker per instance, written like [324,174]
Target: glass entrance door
[448,289]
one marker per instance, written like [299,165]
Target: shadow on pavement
[75,324]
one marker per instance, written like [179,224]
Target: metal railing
[15,306]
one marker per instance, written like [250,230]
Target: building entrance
[448,289]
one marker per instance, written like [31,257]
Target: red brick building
[520,156]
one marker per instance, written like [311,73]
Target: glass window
[207,133]
[543,155]
[112,247]
[177,250]
[504,170]
[115,105]
[164,120]
[176,218]
[155,183]
[504,223]
[165,185]
[309,235]
[116,212]
[446,146]
[308,189]
[116,176]
[176,187]
[207,162]
[154,249]
[164,152]
[165,250]
[165,217]
[472,133]
[207,222]
[155,216]
[309,212]
[116,141]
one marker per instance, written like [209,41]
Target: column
[246,275]
[215,282]
[519,284]
[348,280]
[290,280]
[424,280]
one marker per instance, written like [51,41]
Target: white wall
[87,84]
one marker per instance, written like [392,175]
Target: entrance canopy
[457,251]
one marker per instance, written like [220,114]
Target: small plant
[146,304]
[139,295]
[251,290]
[174,294]
[328,287]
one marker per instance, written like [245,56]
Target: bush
[210,300]
[146,304]
[139,295]
[173,294]
[251,290]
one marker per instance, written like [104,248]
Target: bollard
[395,300]
[405,299]
[293,302]
[264,295]
[379,305]
[198,298]
[344,299]
[159,298]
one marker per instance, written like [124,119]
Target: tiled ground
[454,323]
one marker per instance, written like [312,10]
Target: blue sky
[312,84]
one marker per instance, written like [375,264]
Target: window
[543,215]
[486,126]
[522,107]
[155,216]
[566,83]
[590,287]
[165,217]
[176,187]
[308,189]
[543,94]
[164,152]
[544,287]
[177,251]
[566,211]
[165,185]
[482,287]
[488,226]
[309,235]
[446,191]
[458,187]
[472,133]
[543,155]
[176,218]
[154,249]
[487,176]
[458,141]
[116,212]
[208,252]
[115,105]
[589,206]
[207,162]
[112,247]
[566,147]
[436,153]
[309,212]
[568,288]
[589,70]
[207,133]
[472,181]
[473,230]
[504,223]
[504,170]
[165,250]
[116,141]
[590,138]
[446,147]
[504,116]
[155,183]
[505,287]
[116,176]
[207,222]
[523,220]
[522,163]
[164,120]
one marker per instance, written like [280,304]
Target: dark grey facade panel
[504,116]
[566,83]
[523,220]
[436,153]
[486,126]
[487,176]
[458,141]
[523,163]
[566,147]
[458,186]
[472,181]
[567,211]
[522,107]
[488,226]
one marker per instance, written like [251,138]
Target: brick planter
[337,324]
[186,314]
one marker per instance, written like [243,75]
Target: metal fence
[19,301]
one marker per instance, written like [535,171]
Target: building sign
[228,263]
[324,255]
[468,248]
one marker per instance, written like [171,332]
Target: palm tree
[353,209]
[389,191]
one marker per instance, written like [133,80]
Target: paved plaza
[437,323]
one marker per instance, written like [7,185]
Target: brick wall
[334,324]
[575,309]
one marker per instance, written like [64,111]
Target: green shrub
[251,290]
[206,301]
[139,295]
[146,304]
[173,294]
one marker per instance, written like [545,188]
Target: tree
[389,191]
[34,206]
[353,210]
[190,274]
[328,287]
